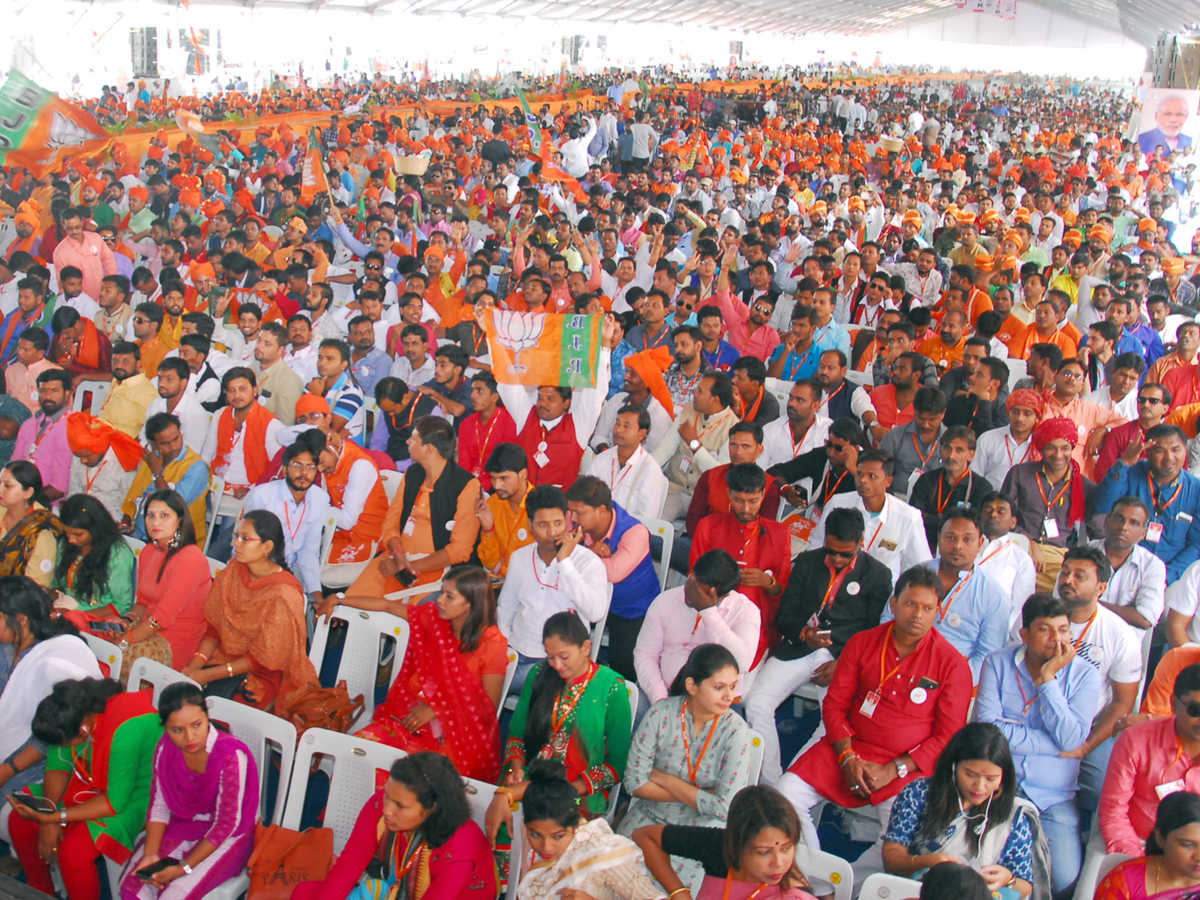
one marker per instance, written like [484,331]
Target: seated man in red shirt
[899,693]
[761,547]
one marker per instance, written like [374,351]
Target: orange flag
[538,349]
[39,130]
[312,173]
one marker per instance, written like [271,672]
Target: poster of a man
[1171,110]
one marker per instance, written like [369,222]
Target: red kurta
[899,724]
[562,446]
[764,545]
[476,441]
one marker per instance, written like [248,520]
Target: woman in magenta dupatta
[203,804]
[1170,870]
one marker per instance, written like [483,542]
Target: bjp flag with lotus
[538,349]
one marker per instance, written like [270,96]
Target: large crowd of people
[895,412]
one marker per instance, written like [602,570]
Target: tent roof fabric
[1138,20]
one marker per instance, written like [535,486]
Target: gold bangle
[678,890]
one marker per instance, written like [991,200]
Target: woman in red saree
[446,695]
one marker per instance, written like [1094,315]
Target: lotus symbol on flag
[518,331]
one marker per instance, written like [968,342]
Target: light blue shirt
[798,365]
[368,370]
[976,614]
[302,524]
[1058,717]
[833,336]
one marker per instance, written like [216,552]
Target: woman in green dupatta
[571,710]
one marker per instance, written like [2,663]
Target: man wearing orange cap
[104,463]
[644,389]
[1174,285]
[86,251]
[29,228]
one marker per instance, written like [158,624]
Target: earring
[175,541]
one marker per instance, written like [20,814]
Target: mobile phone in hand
[37,804]
[150,871]
[406,577]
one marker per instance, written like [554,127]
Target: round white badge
[918,695]
[450,525]
[853,588]
[522,534]
[542,447]
[46,565]
[953,620]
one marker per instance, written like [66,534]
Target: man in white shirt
[574,151]
[300,506]
[554,574]
[895,532]
[174,398]
[1136,591]
[637,482]
[708,609]
[800,430]
[301,354]
[1000,449]
[414,366]
[1005,556]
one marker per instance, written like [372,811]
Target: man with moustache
[42,439]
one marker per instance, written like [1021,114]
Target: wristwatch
[694,444]
[901,768]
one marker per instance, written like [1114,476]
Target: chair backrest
[827,867]
[515,854]
[614,795]
[99,391]
[261,732]
[156,674]
[135,545]
[479,797]
[510,672]
[756,755]
[355,764]
[215,566]
[666,531]
[1147,640]
[881,886]
[216,490]
[109,656]
[327,531]
[391,483]
[365,636]
[598,630]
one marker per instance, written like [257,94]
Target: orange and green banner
[537,349]
[39,130]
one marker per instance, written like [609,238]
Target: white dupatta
[43,665]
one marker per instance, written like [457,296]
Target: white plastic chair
[598,631]
[881,886]
[135,545]
[338,576]
[355,763]
[1096,864]
[158,676]
[515,854]
[216,490]
[827,867]
[258,729]
[272,231]
[214,566]
[99,390]
[756,755]
[479,798]
[510,673]
[362,653]
[1147,639]
[106,654]
[391,482]
[666,531]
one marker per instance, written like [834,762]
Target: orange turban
[191,198]
[311,403]
[30,212]
[1172,265]
[983,262]
[1026,397]
[1022,215]
[245,199]
[856,203]
[1146,225]
[1099,232]
[140,192]
[201,270]
[820,208]
[650,365]
[913,216]
[88,434]
[1073,239]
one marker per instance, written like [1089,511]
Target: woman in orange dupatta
[448,691]
[254,650]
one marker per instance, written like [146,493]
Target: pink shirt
[91,256]
[633,548]
[1144,757]
[21,381]
[737,319]
[1087,416]
[52,454]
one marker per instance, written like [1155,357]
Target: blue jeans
[1091,778]
[1060,822]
